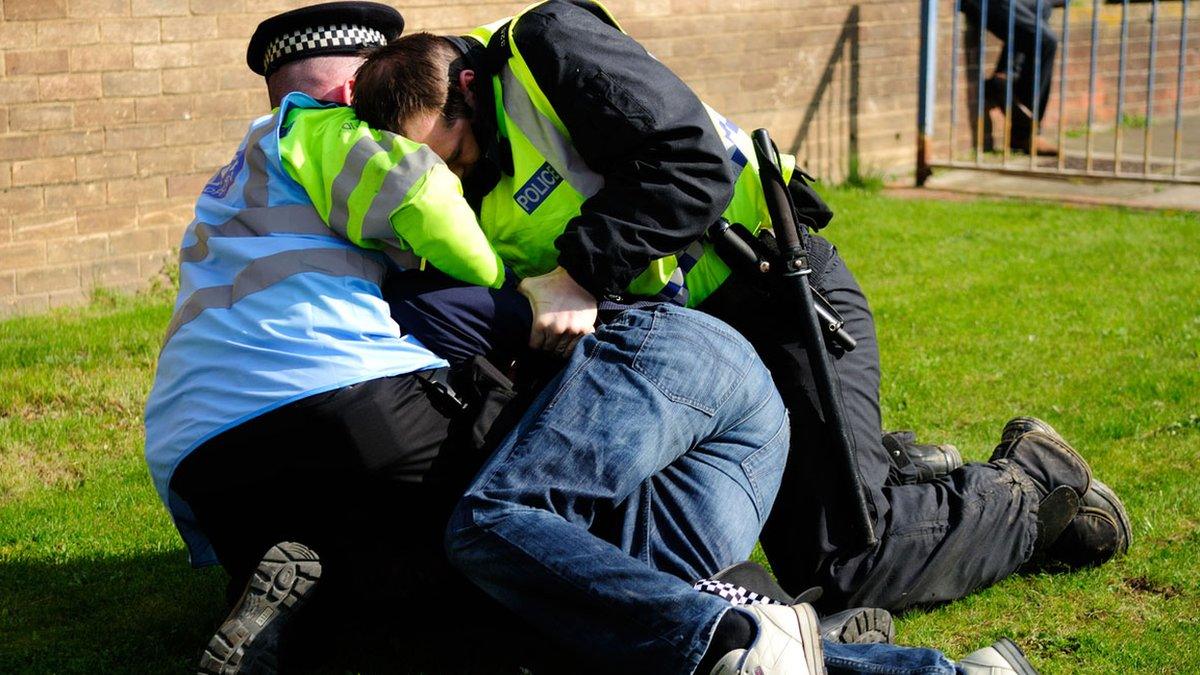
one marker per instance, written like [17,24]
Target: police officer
[288,405]
[594,170]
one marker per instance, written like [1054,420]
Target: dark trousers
[938,541]
[1026,88]
[365,475]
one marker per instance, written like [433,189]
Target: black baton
[794,256]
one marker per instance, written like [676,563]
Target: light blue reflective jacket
[273,306]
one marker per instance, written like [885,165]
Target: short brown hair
[414,75]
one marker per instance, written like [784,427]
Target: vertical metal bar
[1183,29]
[1149,134]
[1091,114]
[983,8]
[928,85]
[953,80]
[1121,86]
[1008,79]
[1037,87]
[1064,49]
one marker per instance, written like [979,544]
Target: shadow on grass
[154,614]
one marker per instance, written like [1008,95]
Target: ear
[465,78]
[344,93]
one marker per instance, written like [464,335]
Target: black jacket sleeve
[667,176]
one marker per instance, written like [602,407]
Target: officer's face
[452,140]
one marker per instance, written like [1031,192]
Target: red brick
[78,249]
[101,57]
[164,109]
[44,171]
[186,186]
[133,138]
[191,131]
[58,278]
[135,190]
[97,8]
[160,7]
[15,90]
[106,113]
[3,120]
[218,6]
[5,177]
[21,200]
[153,57]
[166,214]
[107,219]
[22,256]
[218,52]
[8,284]
[44,226]
[196,80]
[117,165]
[132,83]
[69,298]
[19,147]
[138,241]
[120,270]
[67,33]
[164,161]
[36,62]
[189,28]
[79,143]
[76,195]
[40,117]
[129,31]
[25,10]
[212,156]
[69,87]
[30,304]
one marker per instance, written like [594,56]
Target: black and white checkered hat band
[319,38]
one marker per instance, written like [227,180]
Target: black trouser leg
[938,540]
[1025,46]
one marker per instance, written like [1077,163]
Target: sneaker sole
[810,632]
[860,626]
[281,583]
[1015,657]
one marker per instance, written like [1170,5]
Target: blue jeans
[651,461]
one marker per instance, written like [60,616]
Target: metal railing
[1089,134]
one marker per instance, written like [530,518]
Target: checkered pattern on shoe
[317,37]
[736,595]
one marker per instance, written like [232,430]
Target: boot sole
[860,626]
[280,584]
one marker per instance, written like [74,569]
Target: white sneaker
[1002,658]
[788,643]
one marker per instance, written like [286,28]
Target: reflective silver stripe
[407,260]
[546,138]
[348,178]
[257,222]
[400,179]
[254,193]
[265,272]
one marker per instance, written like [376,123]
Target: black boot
[918,462]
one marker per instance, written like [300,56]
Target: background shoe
[1002,658]
[859,626]
[929,460]
[248,640]
[1099,532]
[788,643]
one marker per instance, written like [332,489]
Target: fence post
[927,88]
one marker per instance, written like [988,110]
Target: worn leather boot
[929,461]
[1099,532]
[1060,476]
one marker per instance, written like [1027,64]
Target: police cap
[321,30]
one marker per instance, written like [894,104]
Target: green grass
[1089,318]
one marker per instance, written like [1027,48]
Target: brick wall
[114,113]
